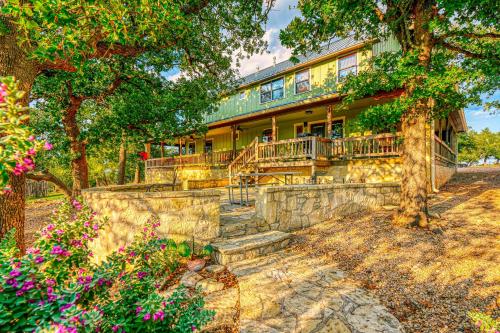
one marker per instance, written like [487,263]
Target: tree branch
[45,175]
[458,49]
[492,35]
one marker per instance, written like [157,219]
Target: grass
[51,196]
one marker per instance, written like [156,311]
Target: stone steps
[250,246]
[237,225]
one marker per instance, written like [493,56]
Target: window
[243,94]
[302,81]
[338,129]
[272,90]
[318,129]
[208,146]
[267,135]
[191,148]
[347,65]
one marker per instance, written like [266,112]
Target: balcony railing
[221,158]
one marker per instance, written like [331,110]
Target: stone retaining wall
[444,171]
[287,208]
[183,215]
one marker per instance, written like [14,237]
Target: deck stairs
[243,237]
[245,162]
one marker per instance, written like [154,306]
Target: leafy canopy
[460,39]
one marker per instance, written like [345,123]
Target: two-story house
[284,117]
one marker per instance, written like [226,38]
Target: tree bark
[79,166]
[45,175]
[14,62]
[122,160]
[413,207]
[137,175]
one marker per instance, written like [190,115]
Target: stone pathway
[285,292]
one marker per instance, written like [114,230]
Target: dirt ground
[429,279]
[37,216]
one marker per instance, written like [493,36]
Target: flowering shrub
[485,323]
[57,287]
[17,146]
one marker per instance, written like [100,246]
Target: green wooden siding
[322,81]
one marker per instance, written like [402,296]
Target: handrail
[246,156]
[213,158]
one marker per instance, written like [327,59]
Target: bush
[57,287]
[484,323]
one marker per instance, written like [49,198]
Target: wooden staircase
[245,160]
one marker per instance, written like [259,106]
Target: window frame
[308,80]
[355,54]
[211,140]
[272,90]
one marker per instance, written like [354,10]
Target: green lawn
[51,196]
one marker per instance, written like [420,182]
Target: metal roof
[283,66]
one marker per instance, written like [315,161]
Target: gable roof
[283,66]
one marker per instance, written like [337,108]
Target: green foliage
[474,146]
[57,286]
[484,323]
[449,52]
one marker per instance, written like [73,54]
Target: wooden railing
[214,158]
[442,150]
[247,156]
[321,148]
[314,148]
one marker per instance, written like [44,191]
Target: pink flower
[193,328]
[158,315]
[86,224]
[39,260]
[56,250]
[31,151]
[163,246]
[50,227]
[59,232]
[141,275]
[76,204]
[19,293]
[47,146]
[31,138]
[50,282]
[33,250]
[12,282]
[138,310]
[121,249]
[95,227]
[115,328]
[146,317]
[15,273]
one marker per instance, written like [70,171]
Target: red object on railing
[143,155]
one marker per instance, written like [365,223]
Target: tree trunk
[79,167]
[14,62]
[122,160]
[413,208]
[137,175]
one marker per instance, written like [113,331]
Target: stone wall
[444,171]
[183,215]
[287,208]
[180,174]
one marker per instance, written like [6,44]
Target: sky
[283,12]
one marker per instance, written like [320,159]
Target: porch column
[233,140]
[147,149]
[329,121]
[274,134]
[180,146]
[162,150]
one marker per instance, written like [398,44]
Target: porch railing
[214,158]
[327,149]
[444,151]
[314,148]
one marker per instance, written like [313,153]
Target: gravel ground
[429,279]
[37,215]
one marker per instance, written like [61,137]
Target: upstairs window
[337,129]
[272,90]
[347,65]
[302,83]
[243,94]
